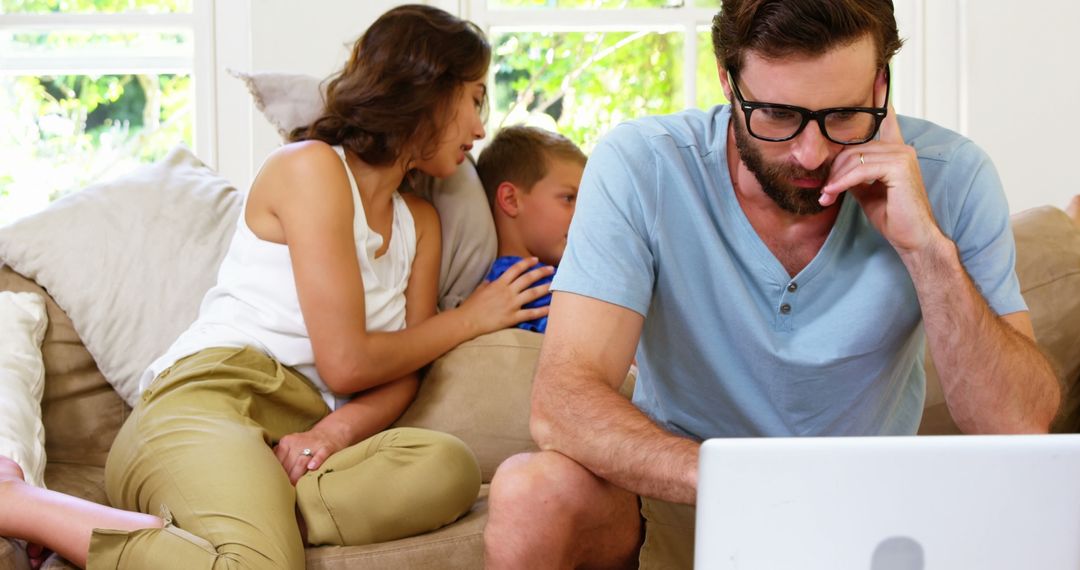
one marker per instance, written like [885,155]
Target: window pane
[709,91]
[86,44]
[583,83]
[592,4]
[95,6]
[64,132]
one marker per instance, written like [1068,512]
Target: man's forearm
[994,378]
[591,423]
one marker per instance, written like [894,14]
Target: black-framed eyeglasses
[775,122]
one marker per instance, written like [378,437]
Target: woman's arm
[372,411]
[365,415]
[303,194]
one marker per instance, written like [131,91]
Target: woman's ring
[861,159]
[306,452]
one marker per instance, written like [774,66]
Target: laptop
[889,503]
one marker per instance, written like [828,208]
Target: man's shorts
[669,535]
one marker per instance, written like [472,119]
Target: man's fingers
[865,173]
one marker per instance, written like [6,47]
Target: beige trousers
[197,449]
[669,536]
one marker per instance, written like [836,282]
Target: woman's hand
[306,451]
[496,305]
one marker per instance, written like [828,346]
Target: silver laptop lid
[889,503]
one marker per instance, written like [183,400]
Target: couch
[480,393]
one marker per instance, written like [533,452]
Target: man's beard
[773,177]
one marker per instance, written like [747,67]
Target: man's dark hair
[781,28]
[520,155]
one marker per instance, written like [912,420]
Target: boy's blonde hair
[520,155]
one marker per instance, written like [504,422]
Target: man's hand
[884,177]
[290,451]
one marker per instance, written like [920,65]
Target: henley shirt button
[785,308]
[792,287]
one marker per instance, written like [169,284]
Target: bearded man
[776,266]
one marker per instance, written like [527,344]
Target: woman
[325,302]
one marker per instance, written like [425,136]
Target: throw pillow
[22,381]
[480,392]
[287,100]
[129,260]
[469,243]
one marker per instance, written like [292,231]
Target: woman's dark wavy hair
[398,86]
[781,28]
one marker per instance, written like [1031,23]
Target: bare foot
[1073,209]
[10,471]
[11,478]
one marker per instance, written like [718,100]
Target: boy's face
[545,210]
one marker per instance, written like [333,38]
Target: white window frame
[929,27]
[200,22]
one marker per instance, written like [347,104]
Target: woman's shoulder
[425,217]
[302,166]
[303,157]
[301,177]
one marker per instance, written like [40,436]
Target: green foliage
[105,120]
[63,132]
[709,92]
[584,83]
[94,6]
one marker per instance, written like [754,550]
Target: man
[775,264]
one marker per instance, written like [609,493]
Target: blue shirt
[500,266]
[734,346]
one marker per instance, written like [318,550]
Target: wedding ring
[307,452]
[861,159]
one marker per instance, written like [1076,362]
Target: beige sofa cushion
[1048,265]
[130,259]
[22,381]
[480,392]
[81,412]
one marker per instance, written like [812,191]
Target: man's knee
[540,484]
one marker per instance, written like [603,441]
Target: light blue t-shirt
[734,346]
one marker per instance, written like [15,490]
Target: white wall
[1022,95]
[313,38]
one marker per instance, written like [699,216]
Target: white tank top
[255,303]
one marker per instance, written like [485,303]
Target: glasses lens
[850,127]
[774,122]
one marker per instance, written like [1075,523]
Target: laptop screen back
[889,503]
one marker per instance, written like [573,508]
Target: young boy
[531,177]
